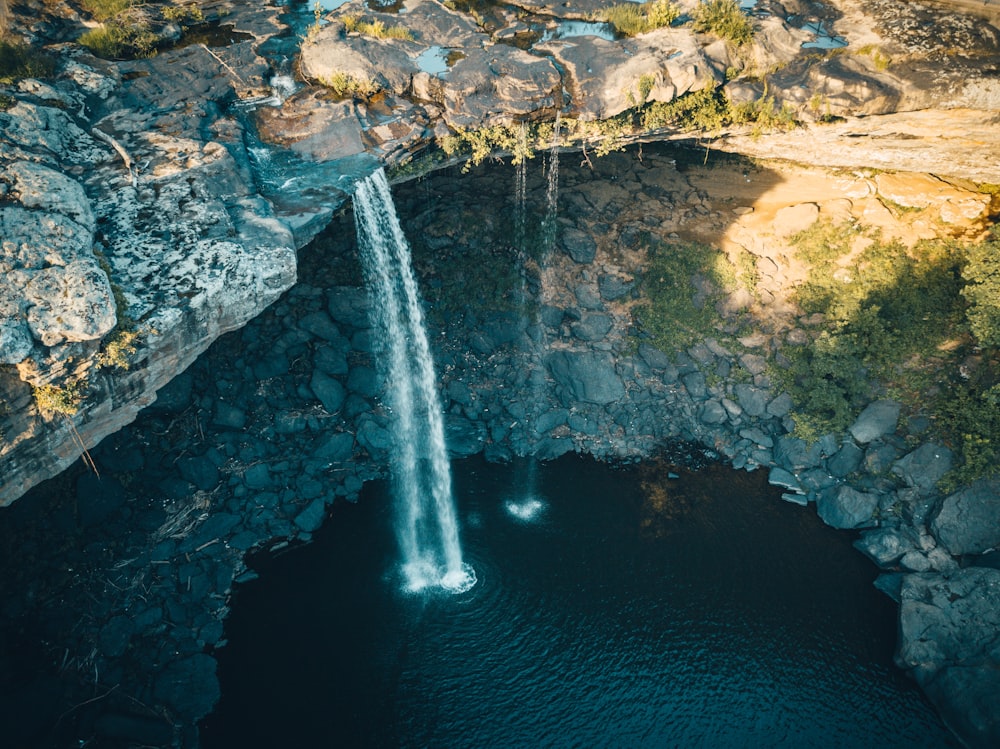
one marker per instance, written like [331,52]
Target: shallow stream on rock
[615,607]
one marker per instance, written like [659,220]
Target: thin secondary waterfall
[552,189]
[521,192]
[426,526]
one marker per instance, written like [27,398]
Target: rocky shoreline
[149,162]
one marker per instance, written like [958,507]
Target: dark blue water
[614,608]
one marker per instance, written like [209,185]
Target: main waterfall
[426,524]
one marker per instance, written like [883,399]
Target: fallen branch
[104,137]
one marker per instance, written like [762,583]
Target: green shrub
[346,86]
[183,14]
[764,116]
[707,109]
[981,274]
[630,19]
[115,40]
[377,28]
[106,10]
[725,19]
[65,399]
[19,60]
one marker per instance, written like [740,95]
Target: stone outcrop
[129,206]
[950,642]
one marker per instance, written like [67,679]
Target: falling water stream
[426,527]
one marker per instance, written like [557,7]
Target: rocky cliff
[137,228]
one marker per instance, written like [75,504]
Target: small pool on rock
[624,609]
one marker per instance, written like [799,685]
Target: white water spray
[426,527]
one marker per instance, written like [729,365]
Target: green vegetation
[725,19]
[920,324]
[981,275]
[183,14]
[346,86]
[377,28]
[119,348]
[125,30]
[680,287]
[519,140]
[19,60]
[880,58]
[708,110]
[64,400]
[630,19]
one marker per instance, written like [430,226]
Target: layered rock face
[129,210]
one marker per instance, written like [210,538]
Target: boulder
[587,376]
[876,420]
[968,521]
[949,639]
[610,76]
[845,507]
[924,467]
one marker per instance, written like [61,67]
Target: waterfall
[521,192]
[552,190]
[426,523]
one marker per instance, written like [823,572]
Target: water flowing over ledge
[426,527]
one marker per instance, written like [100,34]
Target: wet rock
[579,245]
[885,546]
[713,412]
[321,326]
[785,479]
[924,467]
[950,641]
[363,381]
[258,477]
[311,518]
[189,685]
[752,399]
[846,507]
[585,376]
[328,391]
[846,460]
[373,437]
[592,327]
[969,520]
[335,448]
[876,420]
[200,471]
[228,416]
[613,287]
[464,437]
[98,498]
[694,383]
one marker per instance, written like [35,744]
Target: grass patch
[377,28]
[117,40]
[629,19]
[679,287]
[725,19]
[19,60]
[346,86]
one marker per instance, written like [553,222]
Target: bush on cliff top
[630,19]
[725,19]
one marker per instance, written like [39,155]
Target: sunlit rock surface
[129,202]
